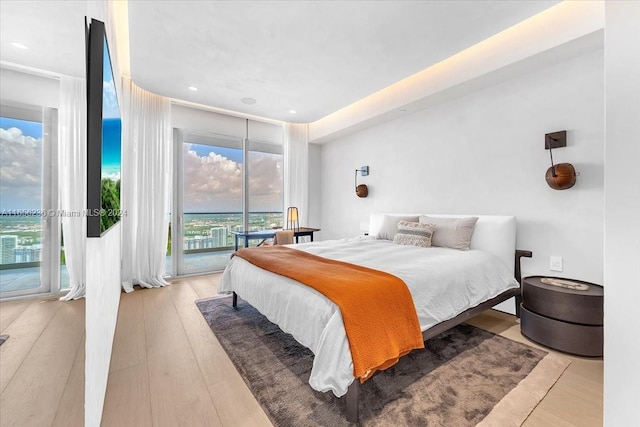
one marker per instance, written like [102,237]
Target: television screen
[104,136]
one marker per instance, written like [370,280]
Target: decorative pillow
[389,226]
[414,233]
[452,233]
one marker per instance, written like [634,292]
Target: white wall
[187,118]
[103,275]
[103,299]
[315,185]
[531,41]
[484,153]
[206,121]
[622,215]
[28,88]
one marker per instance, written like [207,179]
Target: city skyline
[20,236]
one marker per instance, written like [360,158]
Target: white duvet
[443,282]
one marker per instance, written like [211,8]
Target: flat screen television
[104,135]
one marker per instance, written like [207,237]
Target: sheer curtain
[146,191]
[296,169]
[72,170]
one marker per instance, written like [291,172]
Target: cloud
[110,107]
[265,182]
[115,176]
[213,183]
[20,169]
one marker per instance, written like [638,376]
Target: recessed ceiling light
[248,101]
[292,111]
[193,88]
[19,45]
[403,111]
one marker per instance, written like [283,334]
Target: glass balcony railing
[21,252]
[207,246]
[212,230]
[208,240]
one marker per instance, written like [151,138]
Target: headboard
[493,233]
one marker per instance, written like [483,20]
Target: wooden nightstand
[563,319]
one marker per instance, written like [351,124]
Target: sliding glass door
[209,200]
[29,244]
[223,184]
[265,170]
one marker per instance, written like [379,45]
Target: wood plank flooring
[40,370]
[168,369]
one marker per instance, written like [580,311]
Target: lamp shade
[292,214]
[362,190]
[561,176]
[292,219]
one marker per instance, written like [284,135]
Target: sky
[213,180]
[111,123]
[20,164]
[111,148]
[212,175]
[110,107]
[32,129]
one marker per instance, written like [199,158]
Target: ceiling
[53,31]
[313,58]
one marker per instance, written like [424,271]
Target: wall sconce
[562,175]
[362,190]
[292,219]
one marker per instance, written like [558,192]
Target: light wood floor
[168,369]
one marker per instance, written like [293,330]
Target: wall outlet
[555,263]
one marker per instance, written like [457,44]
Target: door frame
[51,231]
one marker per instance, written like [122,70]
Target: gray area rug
[455,381]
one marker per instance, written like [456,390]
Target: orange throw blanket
[377,309]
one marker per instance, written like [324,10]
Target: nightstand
[566,320]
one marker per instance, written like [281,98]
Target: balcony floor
[24,279]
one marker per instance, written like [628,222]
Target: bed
[447,285]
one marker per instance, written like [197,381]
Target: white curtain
[296,169]
[146,186]
[72,170]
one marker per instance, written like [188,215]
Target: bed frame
[353,393]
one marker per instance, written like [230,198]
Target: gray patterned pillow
[414,233]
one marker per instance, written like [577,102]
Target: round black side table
[566,320]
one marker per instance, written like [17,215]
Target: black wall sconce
[562,175]
[362,190]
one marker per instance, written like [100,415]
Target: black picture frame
[101,216]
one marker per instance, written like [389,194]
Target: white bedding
[443,282]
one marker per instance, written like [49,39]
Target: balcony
[26,276]
[207,246]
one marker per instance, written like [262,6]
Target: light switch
[555,263]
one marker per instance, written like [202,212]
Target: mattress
[443,283]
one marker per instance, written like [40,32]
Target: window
[20,202]
[265,170]
[224,183]
[211,199]
[27,235]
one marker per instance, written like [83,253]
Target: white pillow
[389,227]
[452,233]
